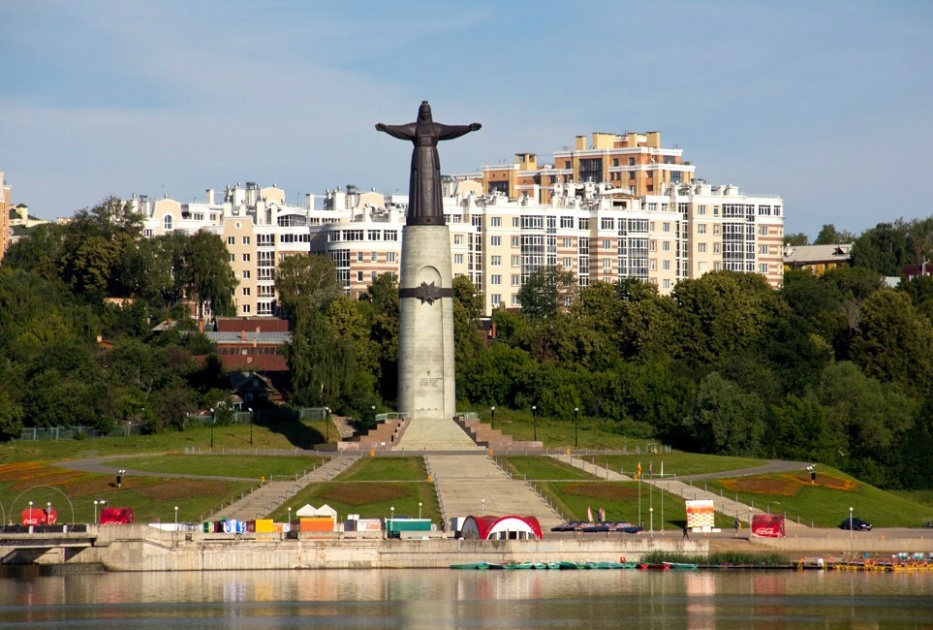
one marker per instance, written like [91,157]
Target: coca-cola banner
[768,525]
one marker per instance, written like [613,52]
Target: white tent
[324,510]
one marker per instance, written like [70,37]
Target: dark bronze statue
[424,188]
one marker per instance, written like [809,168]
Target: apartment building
[5,207]
[258,227]
[634,162]
[620,207]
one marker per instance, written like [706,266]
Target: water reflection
[477,599]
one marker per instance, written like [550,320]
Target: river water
[443,598]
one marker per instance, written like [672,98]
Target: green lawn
[244,466]
[371,488]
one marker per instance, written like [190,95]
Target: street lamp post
[534,422]
[482,503]
[289,514]
[419,510]
[576,427]
[391,515]
[213,420]
[850,523]
[492,410]
[651,521]
[176,518]
[95,511]
[327,424]
[250,426]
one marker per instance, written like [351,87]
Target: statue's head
[424,112]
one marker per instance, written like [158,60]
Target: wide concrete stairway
[473,485]
[435,435]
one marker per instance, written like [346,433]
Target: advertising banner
[768,525]
[700,513]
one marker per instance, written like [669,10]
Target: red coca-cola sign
[768,525]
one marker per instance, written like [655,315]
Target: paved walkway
[271,495]
[722,504]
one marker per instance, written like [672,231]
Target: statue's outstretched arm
[402,132]
[449,132]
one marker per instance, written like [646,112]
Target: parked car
[855,524]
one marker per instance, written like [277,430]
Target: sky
[827,104]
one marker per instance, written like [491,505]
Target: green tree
[212,280]
[796,239]
[883,249]
[893,342]
[468,309]
[546,291]
[726,420]
[305,282]
[829,235]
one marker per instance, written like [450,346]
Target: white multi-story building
[620,207]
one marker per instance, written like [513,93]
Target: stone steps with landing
[493,439]
[384,436]
[435,434]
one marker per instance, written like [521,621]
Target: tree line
[833,369]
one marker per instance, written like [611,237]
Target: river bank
[141,547]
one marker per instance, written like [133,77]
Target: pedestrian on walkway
[737,525]
[686,533]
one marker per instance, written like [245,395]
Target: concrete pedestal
[426,387]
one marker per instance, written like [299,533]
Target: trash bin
[207,527]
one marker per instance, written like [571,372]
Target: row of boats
[572,566]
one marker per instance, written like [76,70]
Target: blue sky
[827,103]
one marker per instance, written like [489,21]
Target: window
[763,250]
[666,226]
[458,259]
[566,222]
[701,248]
[245,290]
[763,269]
[167,222]
[516,279]
[390,257]
[496,299]
[762,230]
[495,279]
[246,257]
[373,257]
[607,223]
[516,261]
[653,245]
[231,240]
[372,275]
[607,264]
[495,221]
[246,308]
[495,241]
[607,244]
[716,229]
[701,210]
[567,242]
[701,228]
[514,222]
[716,248]
[359,256]
[359,276]
[653,264]
[496,261]
[666,265]
[667,284]
[458,239]
[568,262]
[666,246]
[515,242]
[245,274]
[246,240]
[232,257]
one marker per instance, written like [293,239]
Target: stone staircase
[434,435]
[472,484]
[493,439]
[384,437]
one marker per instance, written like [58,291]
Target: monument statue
[424,188]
